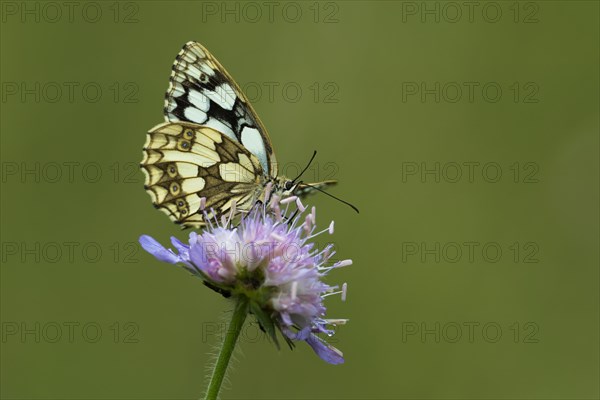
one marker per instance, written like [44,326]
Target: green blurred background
[373,86]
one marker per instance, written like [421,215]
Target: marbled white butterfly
[213,151]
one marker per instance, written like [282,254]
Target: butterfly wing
[185,162]
[201,91]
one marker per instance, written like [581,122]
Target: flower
[269,259]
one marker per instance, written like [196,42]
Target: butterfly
[213,153]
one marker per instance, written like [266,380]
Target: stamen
[275,207]
[288,200]
[210,220]
[331,293]
[285,214]
[331,228]
[343,263]
[203,203]
[278,215]
[344,291]
[336,321]
[299,204]
[274,201]
[231,212]
[318,233]
[308,224]
[323,252]
[313,214]
[294,289]
[268,189]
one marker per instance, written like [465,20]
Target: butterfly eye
[189,134]
[174,189]
[288,185]
[203,78]
[172,171]
[180,203]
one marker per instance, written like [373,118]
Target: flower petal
[157,250]
[182,249]
[324,350]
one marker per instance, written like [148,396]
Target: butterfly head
[284,187]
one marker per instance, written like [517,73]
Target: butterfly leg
[290,219]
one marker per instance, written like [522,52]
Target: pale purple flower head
[267,258]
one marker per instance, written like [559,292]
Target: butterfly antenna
[307,165]
[330,195]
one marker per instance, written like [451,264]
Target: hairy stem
[233,331]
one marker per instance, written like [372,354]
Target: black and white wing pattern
[213,151]
[186,164]
[202,92]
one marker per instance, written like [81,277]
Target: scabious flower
[269,259]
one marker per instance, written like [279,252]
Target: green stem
[233,331]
